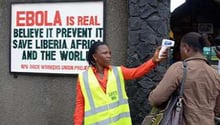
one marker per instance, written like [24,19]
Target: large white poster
[54,37]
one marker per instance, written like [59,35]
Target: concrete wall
[34,99]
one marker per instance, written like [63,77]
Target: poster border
[37,2]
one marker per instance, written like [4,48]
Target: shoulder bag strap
[184,66]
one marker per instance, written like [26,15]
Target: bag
[171,115]
[154,117]
[173,112]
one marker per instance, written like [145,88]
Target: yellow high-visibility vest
[110,108]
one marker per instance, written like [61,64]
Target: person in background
[201,98]
[207,40]
[217,50]
[100,91]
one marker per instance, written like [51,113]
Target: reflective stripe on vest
[121,101]
[116,118]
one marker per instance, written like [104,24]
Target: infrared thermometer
[166,43]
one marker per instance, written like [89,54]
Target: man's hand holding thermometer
[166,44]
